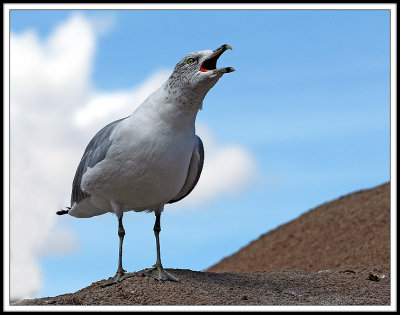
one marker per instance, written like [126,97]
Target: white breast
[145,167]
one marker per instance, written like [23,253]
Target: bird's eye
[191,61]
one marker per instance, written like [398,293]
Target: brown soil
[327,287]
[350,231]
[336,254]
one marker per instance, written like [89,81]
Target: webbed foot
[158,273]
[118,278]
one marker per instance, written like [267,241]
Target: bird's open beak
[210,64]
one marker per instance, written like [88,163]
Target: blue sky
[309,103]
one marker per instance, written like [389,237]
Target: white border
[183,6]
[6,160]
[207,308]
[201,6]
[393,156]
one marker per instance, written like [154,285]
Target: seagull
[151,158]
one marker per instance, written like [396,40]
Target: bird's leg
[121,234]
[158,271]
[121,272]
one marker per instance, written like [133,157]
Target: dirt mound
[353,230]
[368,286]
[335,254]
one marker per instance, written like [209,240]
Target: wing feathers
[95,152]
[195,168]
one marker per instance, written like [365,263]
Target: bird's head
[197,72]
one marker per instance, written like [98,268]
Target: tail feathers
[62,211]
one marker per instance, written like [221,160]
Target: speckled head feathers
[197,72]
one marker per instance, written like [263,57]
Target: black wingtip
[62,211]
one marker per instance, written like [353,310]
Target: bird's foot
[158,273]
[119,276]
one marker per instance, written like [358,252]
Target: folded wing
[95,152]
[195,168]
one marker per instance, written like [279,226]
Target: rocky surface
[361,286]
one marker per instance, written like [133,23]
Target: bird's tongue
[203,70]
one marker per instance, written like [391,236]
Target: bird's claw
[119,276]
[158,273]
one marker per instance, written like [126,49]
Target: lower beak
[224,70]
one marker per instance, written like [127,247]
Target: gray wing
[95,152]
[195,168]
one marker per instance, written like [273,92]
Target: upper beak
[211,62]
[221,49]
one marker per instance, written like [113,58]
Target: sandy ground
[335,254]
[290,287]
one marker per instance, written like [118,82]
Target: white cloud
[227,170]
[49,80]
[54,112]
[103,22]
[103,107]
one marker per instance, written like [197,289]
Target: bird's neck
[165,106]
[185,97]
